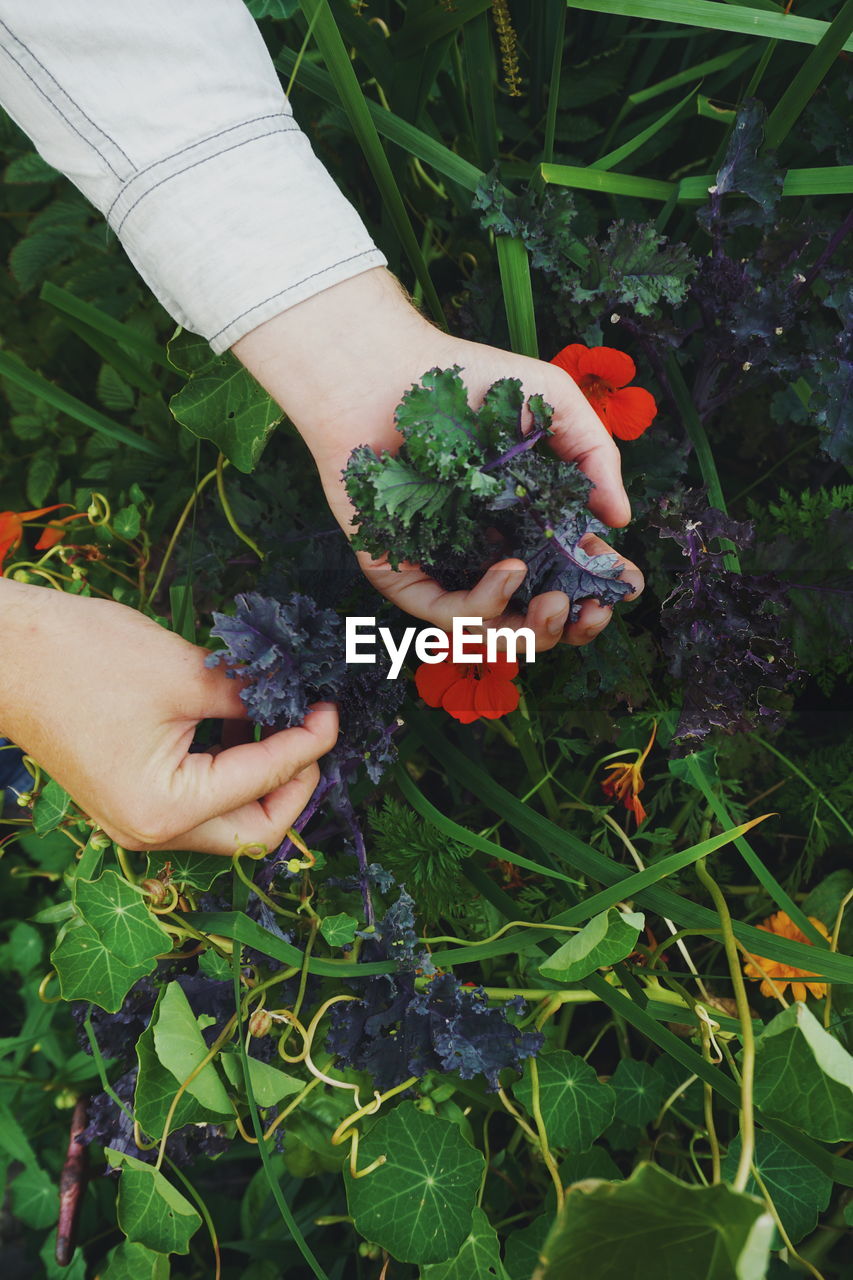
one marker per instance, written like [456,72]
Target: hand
[339,364]
[107,701]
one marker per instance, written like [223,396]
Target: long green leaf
[583,858]
[715,17]
[405,135]
[18,373]
[810,76]
[833,180]
[337,61]
[700,69]
[124,334]
[633,144]
[433,24]
[514,266]
[480,73]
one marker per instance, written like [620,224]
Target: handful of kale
[469,488]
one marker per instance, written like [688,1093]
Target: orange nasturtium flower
[626,781]
[469,691]
[603,374]
[56,530]
[783,926]
[12,527]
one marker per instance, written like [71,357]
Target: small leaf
[41,476]
[609,1230]
[269,1085]
[224,403]
[50,808]
[195,870]
[112,390]
[639,1092]
[134,1262]
[480,1256]
[418,1204]
[805,1076]
[607,938]
[35,1198]
[29,168]
[339,930]
[151,1212]
[127,522]
[576,1107]
[180,1047]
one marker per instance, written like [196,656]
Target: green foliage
[575,1106]
[635,267]
[607,937]
[421,858]
[151,1212]
[804,1076]
[691,1232]
[479,1256]
[799,1191]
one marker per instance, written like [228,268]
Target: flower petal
[569,357]
[608,363]
[458,701]
[433,679]
[501,667]
[495,696]
[630,412]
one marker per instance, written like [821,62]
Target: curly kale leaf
[282,651]
[635,267]
[542,220]
[468,486]
[722,629]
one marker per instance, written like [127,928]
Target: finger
[262,822]
[580,436]
[205,786]
[594,617]
[413,591]
[215,694]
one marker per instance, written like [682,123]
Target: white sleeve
[169,116]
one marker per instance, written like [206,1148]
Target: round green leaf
[151,1212]
[798,1190]
[576,1106]
[134,1262]
[339,930]
[805,1076]
[418,1204]
[610,1230]
[639,1092]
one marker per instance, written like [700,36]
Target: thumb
[580,436]
[205,786]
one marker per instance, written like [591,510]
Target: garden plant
[553,976]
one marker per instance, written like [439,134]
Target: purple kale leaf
[722,629]
[288,653]
[747,169]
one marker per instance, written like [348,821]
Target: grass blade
[351,98]
[122,334]
[433,24]
[633,144]
[715,17]
[808,79]
[514,266]
[16,371]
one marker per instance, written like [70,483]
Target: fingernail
[512,581]
[555,624]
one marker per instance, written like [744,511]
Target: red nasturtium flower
[626,781]
[783,926]
[12,528]
[469,691]
[56,530]
[603,374]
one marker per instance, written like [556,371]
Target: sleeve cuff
[238,227]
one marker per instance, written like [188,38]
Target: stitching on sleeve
[66,95]
[314,274]
[275,115]
[268,133]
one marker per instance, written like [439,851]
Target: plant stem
[747,1118]
[226,508]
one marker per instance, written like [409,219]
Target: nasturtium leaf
[521,1255]
[339,930]
[134,1262]
[87,970]
[605,939]
[76,1270]
[479,1256]
[150,1211]
[51,806]
[269,1085]
[639,1092]
[418,1204]
[609,1230]
[181,1048]
[34,1198]
[804,1075]
[824,902]
[222,402]
[214,965]
[596,1162]
[118,914]
[576,1107]
[799,1191]
[156,1088]
[196,870]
